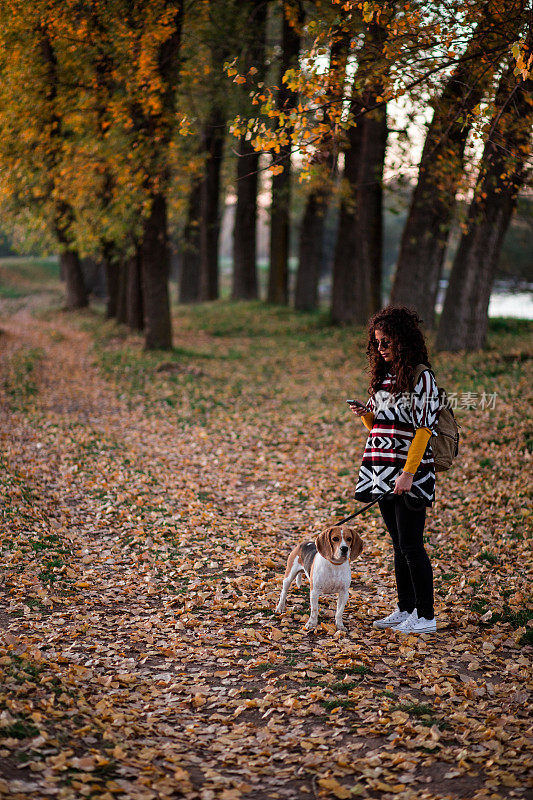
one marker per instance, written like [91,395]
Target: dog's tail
[299,579]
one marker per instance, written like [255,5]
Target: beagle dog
[326,562]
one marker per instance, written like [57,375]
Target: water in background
[506,300]
[519,304]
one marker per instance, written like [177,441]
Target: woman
[401,417]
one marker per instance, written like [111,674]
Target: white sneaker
[393,620]
[416,624]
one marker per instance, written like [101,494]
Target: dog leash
[356,513]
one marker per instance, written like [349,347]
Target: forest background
[126,125]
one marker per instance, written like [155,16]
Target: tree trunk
[370,212]
[134,292]
[155,269]
[244,283]
[344,279]
[464,320]
[426,231]
[129,300]
[213,145]
[311,243]
[157,125]
[245,229]
[278,278]
[189,282]
[93,271]
[122,306]
[112,283]
[76,294]
[311,250]
[357,266]
[112,277]
[356,291]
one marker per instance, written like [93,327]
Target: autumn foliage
[117,142]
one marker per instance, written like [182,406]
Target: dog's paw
[280,608]
[341,627]
[310,625]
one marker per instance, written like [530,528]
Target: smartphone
[357,404]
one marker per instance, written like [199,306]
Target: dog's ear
[357,544]
[324,544]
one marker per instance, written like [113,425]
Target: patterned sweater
[396,419]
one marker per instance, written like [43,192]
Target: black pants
[414,576]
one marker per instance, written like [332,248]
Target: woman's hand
[403,483]
[360,410]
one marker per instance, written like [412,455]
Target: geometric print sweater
[396,418]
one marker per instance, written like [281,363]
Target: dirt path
[140,649]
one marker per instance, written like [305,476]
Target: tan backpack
[445,445]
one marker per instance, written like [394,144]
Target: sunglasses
[384,344]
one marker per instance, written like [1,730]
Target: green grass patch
[424,713]
[23,276]
[516,618]
[20,377]
[330,704]
[490,558]
[13,292]
[263,667]
[357,669]
[515,327]
[415,709]
[342,686]
[528,445]
[21,729]
[232,360]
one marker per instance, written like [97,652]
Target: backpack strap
[419,369]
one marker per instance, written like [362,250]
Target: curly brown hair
[408,348]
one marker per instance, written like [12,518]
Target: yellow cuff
[368,420]
[417,450]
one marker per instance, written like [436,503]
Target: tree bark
[213,146]
[245,228]
[311,241]
[63,213]
[344,284]
[153,246]
[155,271]
[278,279]
[122,306]
[76,294]
[310,250]
[357,266]
[464,320]
[134,292]
[278,276]
[112,277]
[370,212]
[244,282]
[426,231]
[189,282]
[112,283]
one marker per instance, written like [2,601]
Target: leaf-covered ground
[149,502]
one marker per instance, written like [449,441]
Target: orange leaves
[333,788]
[524,60]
